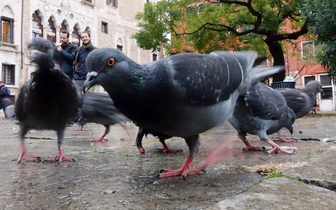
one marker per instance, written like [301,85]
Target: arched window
[51,30]
[75,35]
[7,25]
[64,25]
[120,44]
[37,26]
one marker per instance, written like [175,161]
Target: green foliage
[315,153]
[322,21]
[225,25]
[274,175]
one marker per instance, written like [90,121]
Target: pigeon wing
[209,79]
[265,103]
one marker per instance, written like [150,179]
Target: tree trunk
[278,57]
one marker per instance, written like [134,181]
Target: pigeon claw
[142,150]
[254,148]
[38,159]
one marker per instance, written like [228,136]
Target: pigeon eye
[110,62]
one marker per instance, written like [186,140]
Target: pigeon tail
[257,74]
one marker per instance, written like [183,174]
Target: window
[6,30]
[112,3]
[327,93]
[51,31]
[119,47]
[37,26]
[154,56]
[325,80]
[307,50]
[8,74]
[326,87]
[104,27]
[75,35]
[308,79]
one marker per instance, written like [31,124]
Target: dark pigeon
[182,95]
[48,101]
[262,111]
[301,101]
[99,108]
[162,137]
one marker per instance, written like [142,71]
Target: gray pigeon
[47,101]
[262,111]
[99,108]
[182,95]
[301,101]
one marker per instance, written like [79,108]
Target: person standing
[67,52]
[267,82]
[80,59]
[4,97]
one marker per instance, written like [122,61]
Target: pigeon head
[314,87]
[105,64]
[41,52]
[42,45]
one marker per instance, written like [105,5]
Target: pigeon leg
[107,130]
[126,129]
[193,144]
[138,140]
[25,156]
[166,149]
[60,158]
[80,128]
[249,147]
[276,148]
[22,154]
[281,138]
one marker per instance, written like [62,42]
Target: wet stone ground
[113,175]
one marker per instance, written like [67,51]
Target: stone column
[58,29]
[44,32]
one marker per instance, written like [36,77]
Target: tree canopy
[208,25]
[322,22]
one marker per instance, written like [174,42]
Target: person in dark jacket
[4,96]
[81,55]
[67,52]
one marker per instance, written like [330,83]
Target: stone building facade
[111,23]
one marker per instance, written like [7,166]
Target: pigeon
[162,137]
[301,101]
[48,101]
[99,108]
[262,111]
[181,95]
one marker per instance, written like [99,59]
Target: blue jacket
[4,93]
[68,54]
[80,70]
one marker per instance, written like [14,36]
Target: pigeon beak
[32,54]
[90,81]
